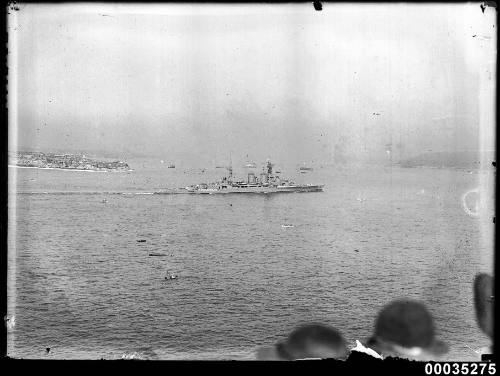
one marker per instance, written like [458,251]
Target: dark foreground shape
[405,328]
[484,302]
[311,341]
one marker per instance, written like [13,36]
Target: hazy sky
[280,81]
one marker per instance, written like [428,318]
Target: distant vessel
[268,182]
[171,165]
[251,165]
[305,168]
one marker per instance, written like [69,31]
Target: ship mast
[269,166]
[230,168]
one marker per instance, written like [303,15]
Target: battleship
[267,182]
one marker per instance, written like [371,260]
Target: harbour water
[81,284]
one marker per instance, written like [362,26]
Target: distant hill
[458,159]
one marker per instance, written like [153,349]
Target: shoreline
[69,169]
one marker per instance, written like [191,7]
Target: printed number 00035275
[460,369]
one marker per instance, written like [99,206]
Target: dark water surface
[81,283]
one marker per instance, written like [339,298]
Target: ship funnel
[264,177]
[251,177]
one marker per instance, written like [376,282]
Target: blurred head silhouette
[404,328]
[483,302]
[311,341]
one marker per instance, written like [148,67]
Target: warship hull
[247,190]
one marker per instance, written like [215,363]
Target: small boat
[170,276]
[171,165]
[305,167]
